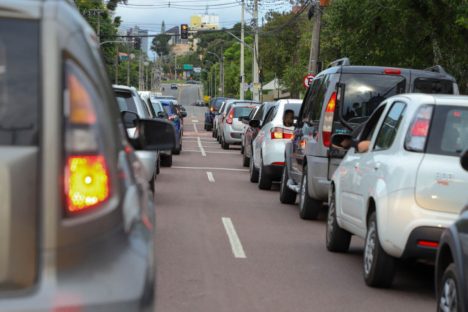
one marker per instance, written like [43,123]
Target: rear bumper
[231,136]
[274,171]
[423,233]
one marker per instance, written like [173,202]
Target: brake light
[430,244]
[328,120]
[87,182]
[419,129]
[392,71]
[230,116]
[86,173]
[281,133]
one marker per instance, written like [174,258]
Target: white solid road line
[202,150]
[210,176]
[194,120]
[236,244]
[210,168]
[195,128]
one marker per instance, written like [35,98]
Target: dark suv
[339,100]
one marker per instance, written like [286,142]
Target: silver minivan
[76,216]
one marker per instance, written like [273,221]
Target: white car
[231,126]
[406,188]
[267,160]
[218,116]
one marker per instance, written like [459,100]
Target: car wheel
[253,171]
[287,196]
[379,267]
[309,208]
[337,239]
[224,145]
[177,150]
[264,181]
[448,298]
[245,160]
[166,160]
[214,134]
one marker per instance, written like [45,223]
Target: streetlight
[221,74]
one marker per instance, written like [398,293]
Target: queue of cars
[380,146]
[77,225]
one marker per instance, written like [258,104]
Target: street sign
[197,69]
[308,80]
[188,67]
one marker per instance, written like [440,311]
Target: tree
[160,44]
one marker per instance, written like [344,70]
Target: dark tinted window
[364,92]
[126,102]
[19,77]
[309,111]
[242,111]
[295,107]
[259,114]
[433,86]
[270,114]
[449,131]
[390,126]
[157,107]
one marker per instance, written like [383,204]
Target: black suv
[339,100]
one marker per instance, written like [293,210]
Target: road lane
[287,267]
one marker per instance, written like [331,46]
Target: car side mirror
[155,135]
[254,123]
[130,119]
[183,109]
[183,114]
[464,160]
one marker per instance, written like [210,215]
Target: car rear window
[364,92]
[168,107]
[243,111]
[433,86]
[19,82]
[293,106]
[126,101]
[449,131]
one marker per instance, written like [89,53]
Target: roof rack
[340,62]
[436,69]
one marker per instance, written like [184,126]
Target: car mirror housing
[130,119]
[154,135]
[464,160]
[254,123]
[183,114]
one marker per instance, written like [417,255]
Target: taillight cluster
[328,120]
[230,117]
[281,133]
[86,176]
[419,129]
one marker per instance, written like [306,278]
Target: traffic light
[137,43]
[184,31]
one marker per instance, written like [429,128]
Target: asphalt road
[279,262]
[186,94]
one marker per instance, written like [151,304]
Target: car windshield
[126,101]
[364,92]
[449,131]
[19,82]
[242,111]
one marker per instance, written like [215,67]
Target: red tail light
[419,130]
[86,173]
[328,120]
[230,116]
[281,133]
[430,244]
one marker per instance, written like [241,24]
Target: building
[204,22]
[137,31]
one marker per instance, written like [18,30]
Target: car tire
[242,149]
[309,208]
[224,145]
[264,181]
[214,134]
[253,171]
[166,160]
[287,196]
[245,160]
[337,239]
[378,266]
[448,292]
[177,150]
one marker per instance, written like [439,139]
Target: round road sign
[308,80]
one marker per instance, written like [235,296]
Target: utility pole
[222,71]
[175,66]
[128,65]
[242,76]
[256,95]
[315,40]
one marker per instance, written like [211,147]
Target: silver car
[231,126]
[77,217]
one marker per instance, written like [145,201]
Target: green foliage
[160,44]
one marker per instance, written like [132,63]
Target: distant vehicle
[128,99]
[173,86]
[400,183]
[232,127]
[356,91]
[451,271]
[267,159]
[77,216]
[222,115]
[213,107]
[250,133]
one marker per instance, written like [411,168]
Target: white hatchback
[267,161]
[400,184]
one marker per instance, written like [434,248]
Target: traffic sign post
[308,80]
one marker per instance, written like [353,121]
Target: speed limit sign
[308,80]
